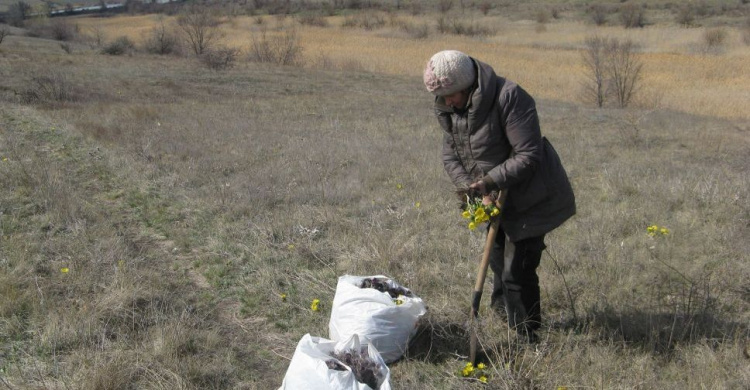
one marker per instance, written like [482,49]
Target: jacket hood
[481,98]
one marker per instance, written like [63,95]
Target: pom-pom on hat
[448,72]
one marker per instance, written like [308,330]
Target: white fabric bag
[386,321]
[308,369]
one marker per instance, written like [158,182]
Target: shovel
[481,274]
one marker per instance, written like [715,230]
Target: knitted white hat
[449,71]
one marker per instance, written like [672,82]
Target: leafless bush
[220,58]
[62,30]
[598,14]
[313,20]
[416,31]
[542,16]
[612,69]
[714,40]
[4,32]
[95,37]
[415,8]
[17,13]
[485,7]
[623,70]
[632,15]
[201,29]
[367,21]
[51,87]
[161,40]
[595,88]
[444,6]
[283,49]
[66,48]
[121,45]
[686,15]
[458,27]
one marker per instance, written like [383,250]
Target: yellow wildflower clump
[655,230]
[477,372]
[315,305]
[477,212]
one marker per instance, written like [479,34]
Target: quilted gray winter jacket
[497,139]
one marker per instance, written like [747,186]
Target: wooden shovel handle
[476,297]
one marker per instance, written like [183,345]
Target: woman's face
[457,99]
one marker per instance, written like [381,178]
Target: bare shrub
[598,14]
[714,40]
[17,13]
[220,58]
[95,37]
[485,7]
[444,6]
[121,45]
[4,32]
[458,27]
[416,31]
[612,69]
[62,30]
[686,15]
[632,15]
[415,8]
[51,87]
[313,20]
[367,21]
[283,49]
[161,40]
[623,70]
[66,48]
[595,87]
[542,16]
[201,29]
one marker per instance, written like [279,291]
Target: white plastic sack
[387,322]
[308,369]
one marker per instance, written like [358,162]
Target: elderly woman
[492,142]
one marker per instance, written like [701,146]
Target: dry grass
[677,75]
[219,191]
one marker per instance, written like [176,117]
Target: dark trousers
[516,284]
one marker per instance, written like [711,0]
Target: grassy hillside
[152,216]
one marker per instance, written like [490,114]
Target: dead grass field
[677,73]
[182,202]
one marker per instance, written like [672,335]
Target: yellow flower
[483,379]
[664,231]
[472,225]
[5,158]
[283,297]
[495,212]
[466,214]
[652,228]
[481,366]
[399,186]
[290,246]
[418,204]
[64,270]
[398,301]
[314,305]
[480,212]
